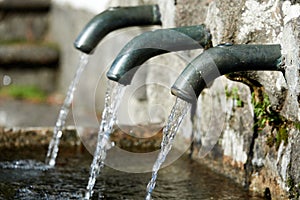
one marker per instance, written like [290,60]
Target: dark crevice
[248,165]
[295,1]
[193,113]
[267,194]
[18,6]
[256,89]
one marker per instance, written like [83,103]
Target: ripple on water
[25,165]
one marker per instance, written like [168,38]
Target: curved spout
[221,60]
[153,43]
[112,19]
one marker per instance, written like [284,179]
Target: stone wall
[252,127]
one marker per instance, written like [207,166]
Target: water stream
[112,100]
[175,118]
[63,113]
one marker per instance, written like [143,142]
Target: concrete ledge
[32,136]
[28,55]
[25,5]
[125,139]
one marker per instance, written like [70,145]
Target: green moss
[233,93]
[264,116]
[282,136]
[261,111]
[294,190]
[290,182]
[297,125]
[270,141]
[23,92]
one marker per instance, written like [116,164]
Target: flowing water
[184,179]
[112,100]
[63,113]
[177,114]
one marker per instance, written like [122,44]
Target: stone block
[25,6]
[28,55]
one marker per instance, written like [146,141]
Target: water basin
[23,174]
[184,179]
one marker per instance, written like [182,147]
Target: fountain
[144,47]
[30,178]
[268,58]
[214,62]
[88,39]
[144,44]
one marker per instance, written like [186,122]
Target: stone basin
[140,139]
[25,147]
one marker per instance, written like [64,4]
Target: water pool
[184,179]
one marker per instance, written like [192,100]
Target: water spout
[224,59]
[153,43]
[107,21]
[112,19]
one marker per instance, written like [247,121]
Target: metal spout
[221,60]
[153,43]
[112,19]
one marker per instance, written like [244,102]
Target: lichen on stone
[259,17]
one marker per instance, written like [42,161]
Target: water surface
[184,179]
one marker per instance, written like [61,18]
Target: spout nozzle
[112,19]
[113,77]
[183,94]
[154,43]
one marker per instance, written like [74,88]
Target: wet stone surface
[133,139]
[138,139]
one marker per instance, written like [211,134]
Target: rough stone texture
[140,139]
[294,176]
[187,12]
[39,136]
[290,41]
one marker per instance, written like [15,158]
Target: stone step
[28,55]
[25,5]
[24,19]
[29,65]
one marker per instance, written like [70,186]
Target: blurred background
[38,60]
